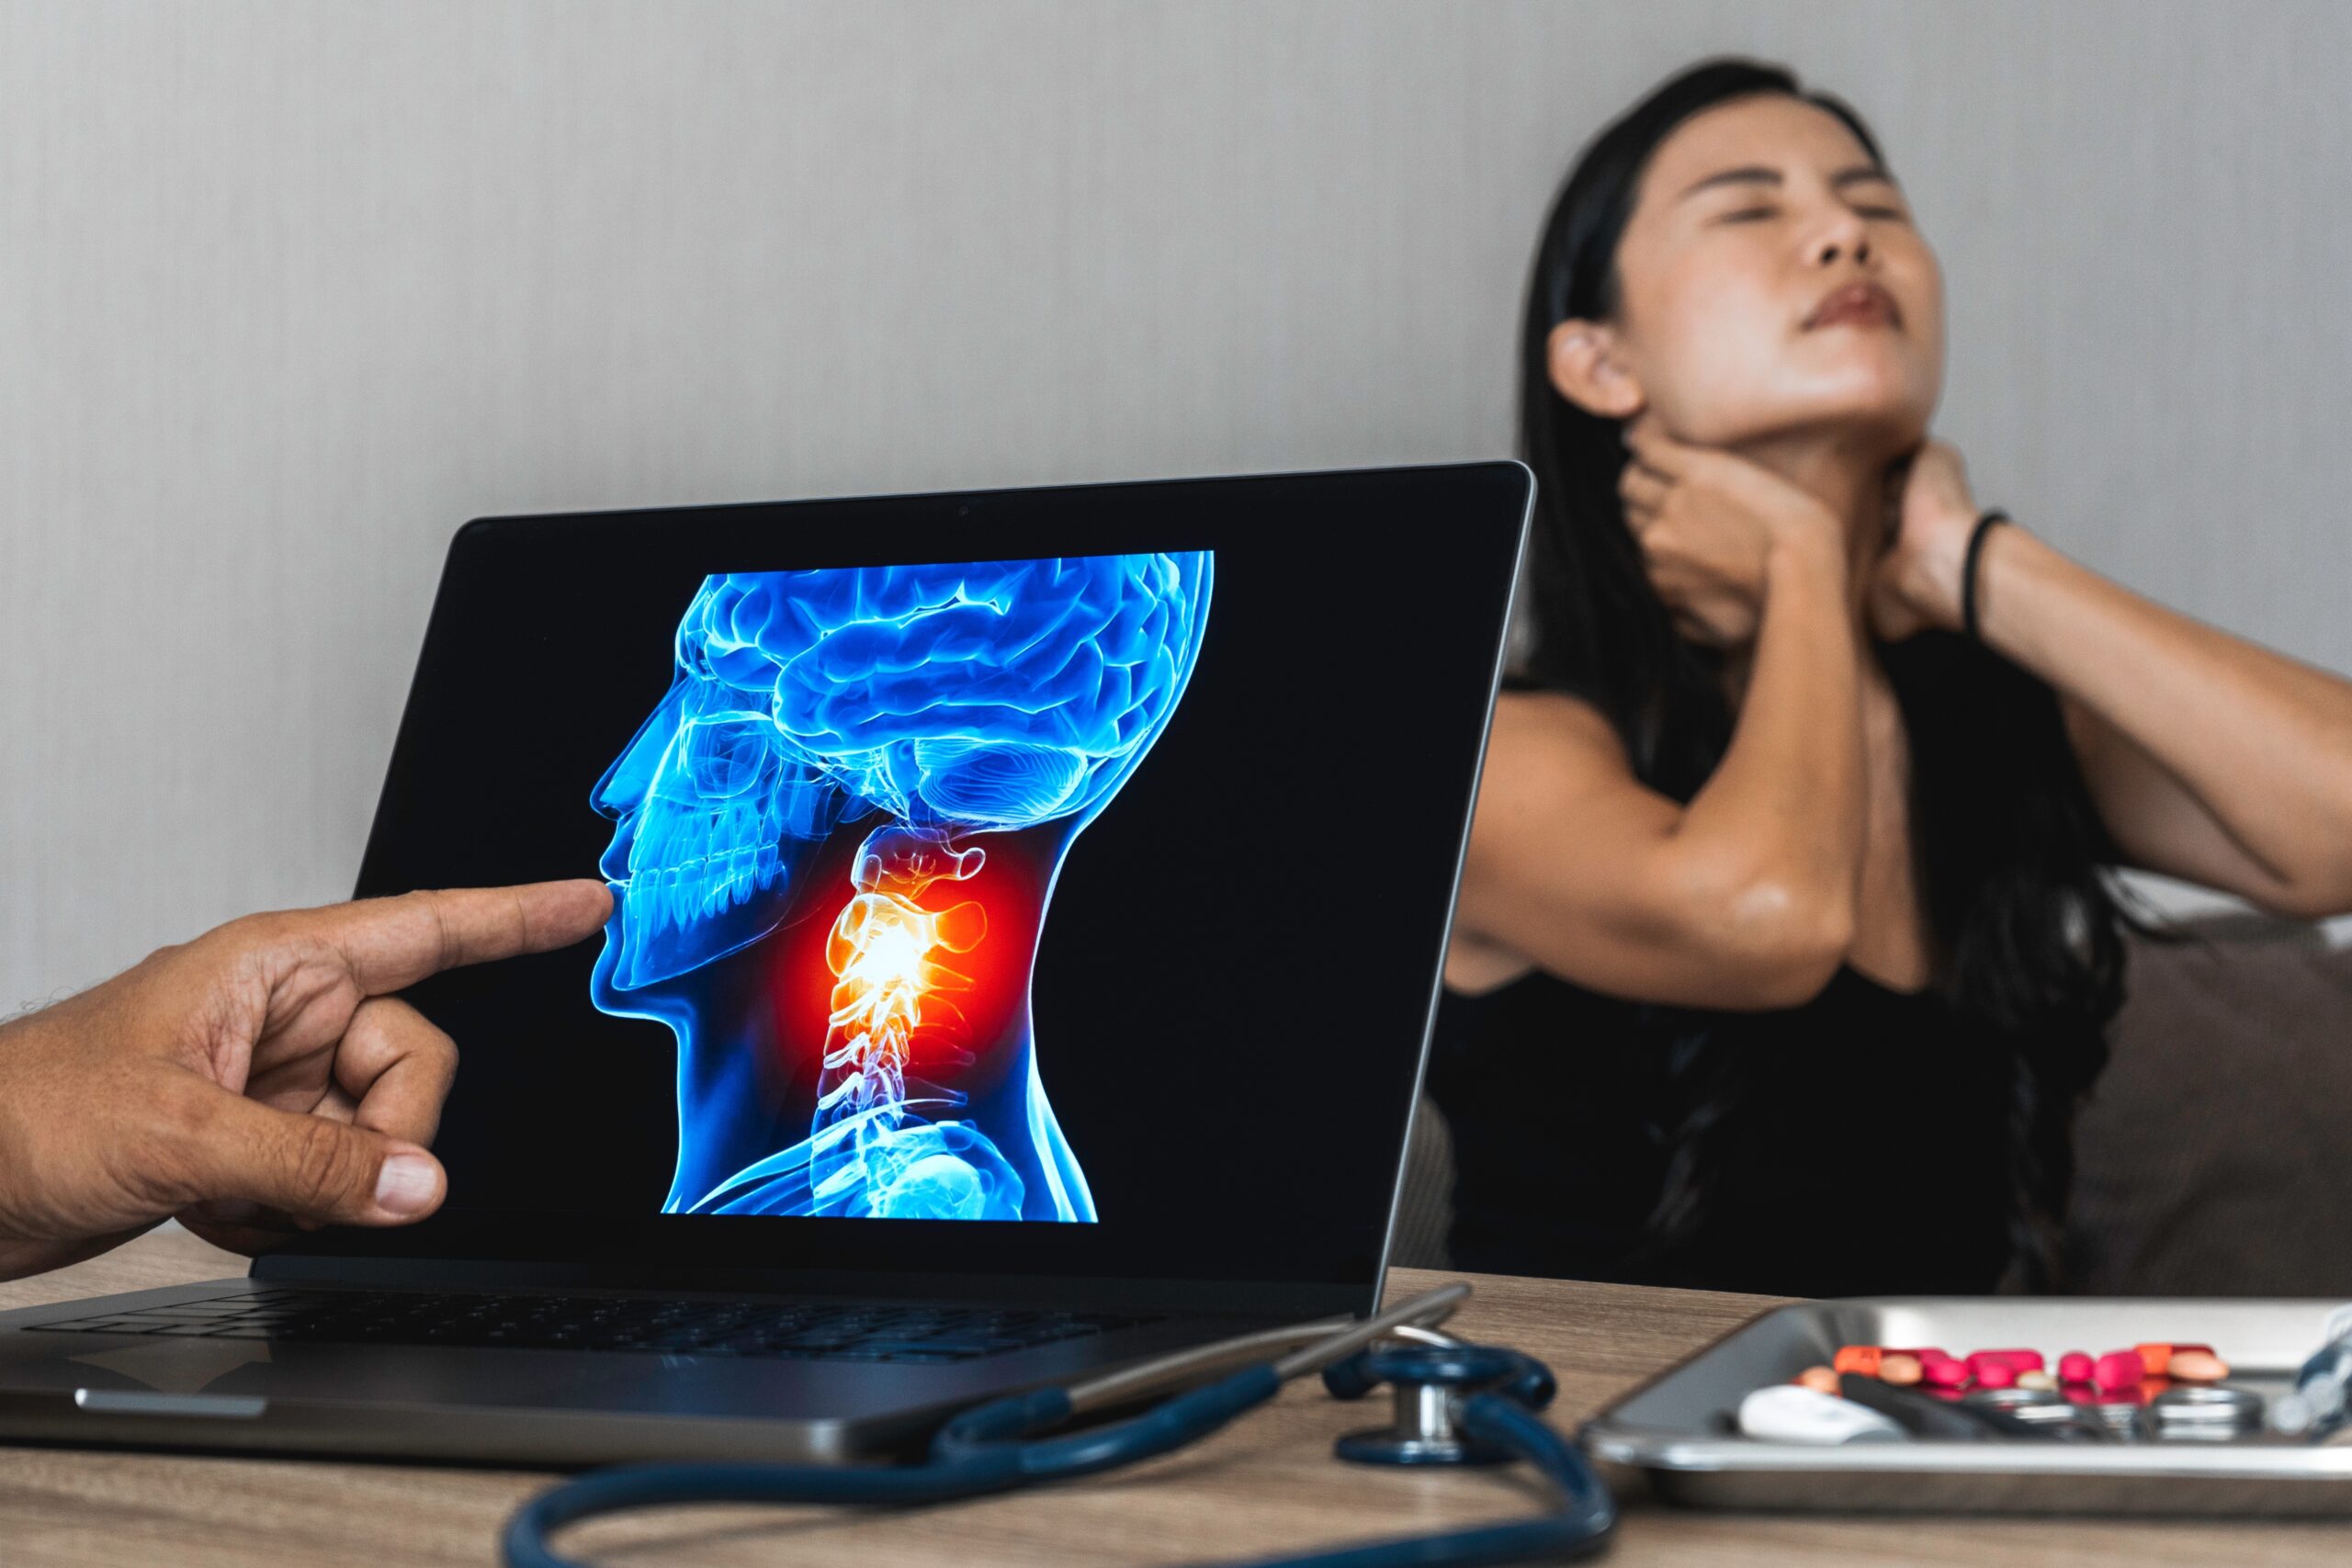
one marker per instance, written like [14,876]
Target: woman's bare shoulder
[1548,731]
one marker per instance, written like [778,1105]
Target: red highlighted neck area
[926,959]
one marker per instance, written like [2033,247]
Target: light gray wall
[289,288]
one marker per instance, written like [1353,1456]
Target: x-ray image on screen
[836,837]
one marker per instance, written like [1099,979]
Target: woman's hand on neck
[1855,476]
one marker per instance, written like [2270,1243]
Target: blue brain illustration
[996,695]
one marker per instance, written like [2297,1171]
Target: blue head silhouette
[891,760]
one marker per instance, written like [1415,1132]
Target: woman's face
[1770,284]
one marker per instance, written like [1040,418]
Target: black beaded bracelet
[1984,522]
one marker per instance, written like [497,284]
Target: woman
[1785,951]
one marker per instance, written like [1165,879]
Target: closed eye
[1765,214]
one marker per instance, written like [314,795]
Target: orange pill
[2198,1366]
[1821,1380]
[1899,1369]
[1863,1359]
[2157,1359]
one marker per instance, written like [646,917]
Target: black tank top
[1863,1152]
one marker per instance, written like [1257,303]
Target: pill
[2157,1357]
[2118,1370]
[1787,1414]
[1944,1373]
[2198,1366]
[1923,1352]
[2016,1360]
[1863,1359]
[2039,1381]
[1995,1374]
[2074,1366]
[1895,1367]
[1821,1380]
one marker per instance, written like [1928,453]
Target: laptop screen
[1044,883]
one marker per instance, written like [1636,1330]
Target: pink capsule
[2074,1366]
[2118,1370]
[1993,1374]
[2016,1360]
[1943,1372]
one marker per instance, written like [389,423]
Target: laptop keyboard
[829,1331]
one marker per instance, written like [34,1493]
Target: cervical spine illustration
[872,1152]
[922,707]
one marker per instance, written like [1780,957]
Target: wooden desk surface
[1265,1485]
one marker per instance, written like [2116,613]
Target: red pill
[2118,1370]
[1980,1359]
[1943,1372]
[1995,1374]
[1863,1359]
[2074,1366]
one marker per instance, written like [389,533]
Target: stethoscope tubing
[980,1453]
[992,1448]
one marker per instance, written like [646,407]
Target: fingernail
[404,1185]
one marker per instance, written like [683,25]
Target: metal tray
[1677,1428]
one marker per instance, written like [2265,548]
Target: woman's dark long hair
[2008,848]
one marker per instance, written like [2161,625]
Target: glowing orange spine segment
[881,952]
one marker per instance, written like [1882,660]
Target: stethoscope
[1455,1404]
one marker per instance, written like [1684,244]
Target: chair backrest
[2214,1156]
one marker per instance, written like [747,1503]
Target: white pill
[1786,1412]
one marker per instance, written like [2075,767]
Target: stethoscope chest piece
[1428,1384]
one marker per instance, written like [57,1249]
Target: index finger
[392,944]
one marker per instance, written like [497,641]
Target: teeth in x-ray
[694,865]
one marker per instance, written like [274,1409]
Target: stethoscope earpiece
[1429,1383]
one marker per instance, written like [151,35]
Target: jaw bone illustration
[936,714]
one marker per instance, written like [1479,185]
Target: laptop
[1029,913]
